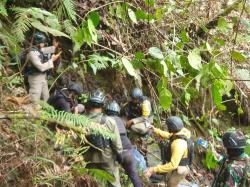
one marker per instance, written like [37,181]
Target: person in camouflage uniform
[236,170]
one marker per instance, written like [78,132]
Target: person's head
[96,99]
[75,90]
[234,142]
[136,94]
[39,39]
[113,109]
[174,124]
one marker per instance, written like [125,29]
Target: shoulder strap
[103,119]
[178,137]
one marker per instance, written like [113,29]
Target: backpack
[98,140]
[165,147]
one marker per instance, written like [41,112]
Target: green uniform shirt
[108,154]
[233,174]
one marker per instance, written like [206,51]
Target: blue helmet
[136,93]
[174,124]
[113,107]
[234,140]
[39,38]
[97,96]
[76,88]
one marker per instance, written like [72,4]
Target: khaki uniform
[106,159]
[38,84]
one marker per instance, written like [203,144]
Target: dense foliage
[190,56]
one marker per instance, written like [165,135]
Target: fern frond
[3,10]
[37,18]
[79,121]
[67,7]
[98,62]
[69,28]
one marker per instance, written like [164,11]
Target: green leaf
[140,14]
[165,68]
[38,25]
[165,98]
[217,93]
[187,97]
[149,2]
[223,25]
[238,56]
[219,41]
[94,16]
[92,30]
[139,55]
[156,53]
[159,13]
[184,36]
[194,59]
[129,67]
[210,161]
[132,16]
[165,95]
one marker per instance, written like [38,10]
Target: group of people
[106,154]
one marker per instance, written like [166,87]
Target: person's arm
[178,149]
[33,57]
[161,133]
[48,50]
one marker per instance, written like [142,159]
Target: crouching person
[179,151]
[66,99]
[128,161]
[111,149]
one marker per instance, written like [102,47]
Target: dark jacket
[126,143]
[61,101]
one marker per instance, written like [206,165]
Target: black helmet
[234,140]
[97,96]
[76,88]
[174,124]
[113,107]
[136,93]
[39,38]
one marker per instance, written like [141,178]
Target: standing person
[180,151]
[111,149]
[37,67]
[235,167]
[66,99]
[128,161]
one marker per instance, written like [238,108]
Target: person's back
[237,163]
[236,171]
[60,101]
[106,151]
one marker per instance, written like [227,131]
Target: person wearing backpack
[179,151]
[37,67]
[128,160]
[66,99]
[235,167]
[109,150]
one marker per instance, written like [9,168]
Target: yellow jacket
[179,150]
